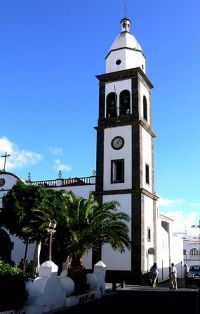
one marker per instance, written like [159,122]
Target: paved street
[143,299]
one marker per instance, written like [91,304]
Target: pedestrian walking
[173,277]
[186,270]
[154,275]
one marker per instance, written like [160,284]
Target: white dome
[125,52]
[125,40]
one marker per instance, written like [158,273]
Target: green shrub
[12,287]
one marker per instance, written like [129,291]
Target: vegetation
[12,287]
[21,206]
[90,225]
[82,224]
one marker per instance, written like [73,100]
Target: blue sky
[51,51]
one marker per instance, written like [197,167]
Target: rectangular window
[147,173]
[117,171]
[148,234]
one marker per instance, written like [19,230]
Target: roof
[165,218]
[125,40]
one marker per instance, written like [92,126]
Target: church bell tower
[124,165]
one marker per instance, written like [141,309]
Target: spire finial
[125,23]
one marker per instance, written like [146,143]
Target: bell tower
[124,164]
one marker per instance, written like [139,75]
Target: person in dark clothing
[154,275]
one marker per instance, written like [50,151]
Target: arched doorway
[5,246]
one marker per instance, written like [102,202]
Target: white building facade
[170,248]
[191,251]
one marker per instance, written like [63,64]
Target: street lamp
[51,229]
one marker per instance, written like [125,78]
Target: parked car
[193,275]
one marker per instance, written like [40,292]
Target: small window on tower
[148,234]
[145,115]
[117,171]
[118,62]
[147,173]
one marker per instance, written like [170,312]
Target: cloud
[164,202]
[183,222]
[55,151]
[175,203]
[61,167]
[6,145]
[195,204]
[184,213]
[19,158]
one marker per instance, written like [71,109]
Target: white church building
[124,168]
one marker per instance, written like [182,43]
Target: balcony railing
[66,182]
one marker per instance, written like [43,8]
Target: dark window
[117,171]
[145,115]
[118,62]
[184,252]
[194,252]
[124,102]
[148,234]
[111,108]
[147,173]
[124,25]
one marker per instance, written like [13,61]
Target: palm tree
[88,225]
[91,225]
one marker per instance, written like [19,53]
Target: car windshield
[194,268]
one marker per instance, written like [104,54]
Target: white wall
[135,59]
[176,244]
[10,180]
[115,260]
[129,59]
[87,260]
[79,190]
[169,249]
[112,154]
[19,250]
[163,253]
[146,158]
[148,223]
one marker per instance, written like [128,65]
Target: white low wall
[49,292]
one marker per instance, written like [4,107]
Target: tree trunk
[77,272]
[36,257]
[25,256]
